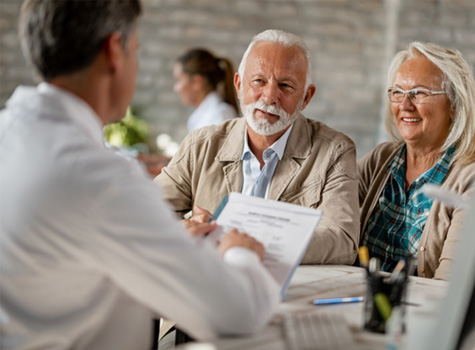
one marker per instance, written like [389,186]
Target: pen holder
[383,300]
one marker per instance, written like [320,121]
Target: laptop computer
[454,326]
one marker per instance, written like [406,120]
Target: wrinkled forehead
[268,57]
[419,71]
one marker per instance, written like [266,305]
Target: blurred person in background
[205,82]
[430,115]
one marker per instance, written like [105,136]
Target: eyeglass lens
[415,95]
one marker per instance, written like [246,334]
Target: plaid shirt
[398,219]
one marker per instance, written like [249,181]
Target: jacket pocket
[308,196]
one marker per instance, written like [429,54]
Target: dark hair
[64,36]
[218,72]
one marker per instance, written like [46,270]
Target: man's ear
[237,84]
[308,95]
[113,51]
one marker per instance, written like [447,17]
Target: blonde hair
[458,83]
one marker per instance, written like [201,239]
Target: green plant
[131,131]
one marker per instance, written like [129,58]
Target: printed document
[284,229]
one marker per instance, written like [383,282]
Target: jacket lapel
[298,146]
[230,155]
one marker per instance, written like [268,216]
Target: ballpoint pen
[383,305]
[363,255]
[337,300]
[374,266]
[396,272]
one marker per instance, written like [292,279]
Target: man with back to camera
[274,151]
[90,253]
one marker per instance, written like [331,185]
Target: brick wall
[351,42]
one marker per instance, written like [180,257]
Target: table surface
[332,281]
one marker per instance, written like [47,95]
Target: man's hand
[198,224]
[237,239]
[200,215]
[198,229]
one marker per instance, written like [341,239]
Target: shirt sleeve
[363,177]
[148,254]
[336,237]
[175,179]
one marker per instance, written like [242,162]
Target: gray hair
[62,37]
[283,38]
[457,82]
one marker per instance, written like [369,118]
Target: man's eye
[285,86]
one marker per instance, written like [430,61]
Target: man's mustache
[272,109]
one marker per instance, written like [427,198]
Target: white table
[330,281]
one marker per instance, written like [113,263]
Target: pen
[337,300]
[384,306]
[396,272]
[374,266]
[363,255]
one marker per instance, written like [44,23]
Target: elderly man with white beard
[273,152]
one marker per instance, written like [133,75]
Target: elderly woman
[431,117]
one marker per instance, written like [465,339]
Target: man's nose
[270,94]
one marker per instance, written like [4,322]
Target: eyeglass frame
[408,92]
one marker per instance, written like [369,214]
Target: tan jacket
[441,232]
[317,170]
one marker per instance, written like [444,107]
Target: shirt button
[422,249]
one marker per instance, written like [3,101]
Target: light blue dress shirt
[256,182]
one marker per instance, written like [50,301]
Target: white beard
[263,126]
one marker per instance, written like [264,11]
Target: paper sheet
[284,229]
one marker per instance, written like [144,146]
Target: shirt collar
[209,100]
[434,175]
[76,109]
[397,166]
[278,146]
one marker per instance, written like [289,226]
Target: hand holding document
[284,229]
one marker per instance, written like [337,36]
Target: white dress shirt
[252,173]
[211,111]
[90,253]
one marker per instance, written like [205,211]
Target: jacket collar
[298,145]
[54,102]
[231,151]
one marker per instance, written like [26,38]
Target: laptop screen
[467,336]
[455,325]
